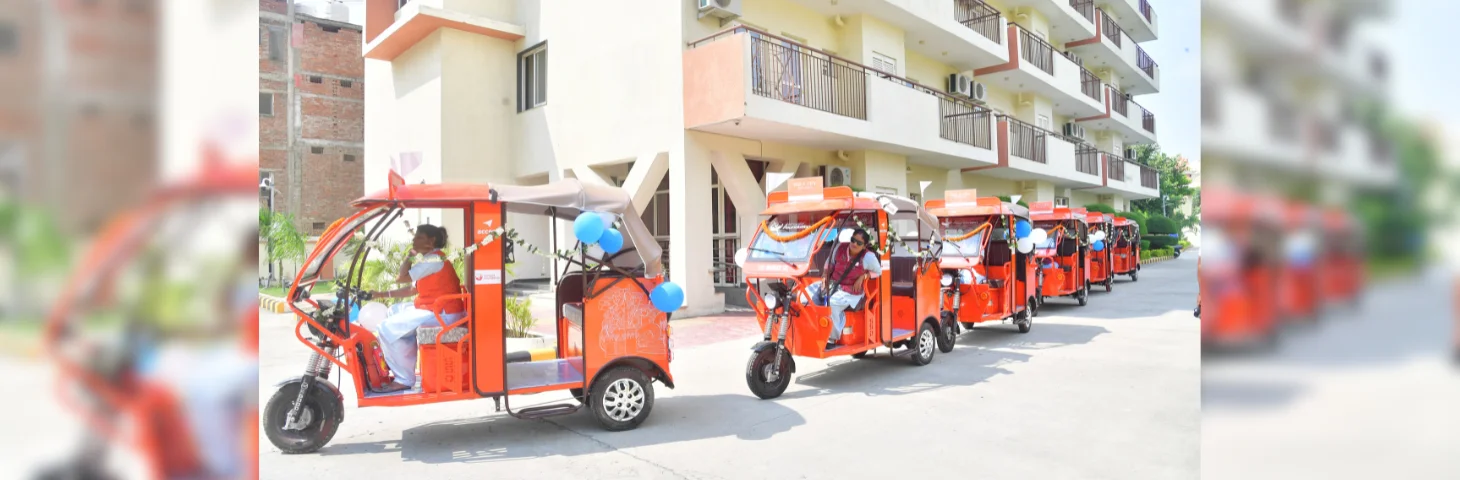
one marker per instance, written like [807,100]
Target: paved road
[1110,390]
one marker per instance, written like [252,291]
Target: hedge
[1021,202]
[1145,245]
[1161,241]
[1100,207]
[1139,218]
[1156,252]
[1160,224]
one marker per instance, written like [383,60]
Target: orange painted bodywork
[619,321]
[1103,261]
[884,318]
[1125,254]
[1069,273]
[982,303]
[1241,299]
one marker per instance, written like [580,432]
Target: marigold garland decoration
[765,228]
[968,235]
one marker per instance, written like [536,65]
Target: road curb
[1156,260]
[270,303]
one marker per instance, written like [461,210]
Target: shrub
[519,312]
[1160,241]
[1100,207]
[1161,225]
[1139,218]
[1021,201]
[1145,245]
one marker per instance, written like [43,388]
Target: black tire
[322,410]
[1109,283]
[924,345]
[859,355]
[1033,304]
[756,374]
[1133,276]
[1084,295]
[967,326]
[622,398]
[75,470]
[577,395]
[949,333]
[1025,320]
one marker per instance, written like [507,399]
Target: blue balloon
[355,313]
[667,297]
[1099,245]
[588,227]
[1022,229]
[611,241]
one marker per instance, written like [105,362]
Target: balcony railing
[1027,141]
[1146,10]
[1145,62]
[1110,28]
[1115,166]
[966,123]
[980,17]
[1036,51]
[1149,178]
[1087,159]
[1118,102]
[1086,9]
[791,72]
[1148,121]
[1089,83]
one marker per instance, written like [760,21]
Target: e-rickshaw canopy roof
[984,206]
[1097,217]
[842,198]
[565,200]
[1043,211]
[1124,222]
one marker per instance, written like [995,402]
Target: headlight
[947,280]
[770,300]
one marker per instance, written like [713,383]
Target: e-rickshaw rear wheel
[319,418]
[1025,319]
[859,355]
[1083,295]
[924,344]
[766,382]
[622,398]
[949,336]
[1109,283]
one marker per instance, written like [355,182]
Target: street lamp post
[268,183]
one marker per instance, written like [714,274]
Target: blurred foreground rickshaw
[1241,268]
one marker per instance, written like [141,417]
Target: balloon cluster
[1026,236]
[594,227]
[1097,240]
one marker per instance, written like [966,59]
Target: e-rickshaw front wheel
[319,418]
[1109,283]
[1025,320]
[766,380]
[924,344]
[949,336]
[1083,295]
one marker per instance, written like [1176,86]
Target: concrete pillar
[873,171]
[740,185]
[644,178]
[955,180]
[690,217]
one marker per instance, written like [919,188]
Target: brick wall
[329,91]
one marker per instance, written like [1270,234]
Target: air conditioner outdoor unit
[978,93]
[724,9]
[837,176]
[958,84]
[1074,130]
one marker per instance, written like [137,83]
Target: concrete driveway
[1110,390]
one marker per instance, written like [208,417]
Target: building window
[266,104]
[346,84]
[884,63]
[318,225]
[316,79]
[1042,121]
[316,150]
[1061,201]
[532,77]
[276,43]
[349,157]
[8,38]
[329,29]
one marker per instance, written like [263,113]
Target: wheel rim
[306,419]
[925,343]
[768,373]
[623,400]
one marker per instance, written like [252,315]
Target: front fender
[763,346]
[317,383]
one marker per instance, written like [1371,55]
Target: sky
[1177,50]
[1424,69]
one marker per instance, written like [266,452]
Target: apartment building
[1287,91]
[689,104]
[311,112]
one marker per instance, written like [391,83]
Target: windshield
[1052,240]
[791,237]
[964,237]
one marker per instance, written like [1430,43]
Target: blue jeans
[840,302]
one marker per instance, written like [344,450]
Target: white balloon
[846,235]
[1025,245]
[372,313]
[1039,235]
[740,256]
[608,219]
[1099,235]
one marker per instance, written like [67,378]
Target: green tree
[283,240]
[1175,183]
[1100,207]
[1021,201]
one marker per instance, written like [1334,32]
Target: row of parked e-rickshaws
[1269,262]
[947,266]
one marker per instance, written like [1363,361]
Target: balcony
[1133,123]
[1265,29]
[1037,68]
[1247,126]
[1354,160]
[1033,153]
[1136,17]
[1069,20]
[392,26]
[747,83]
[965,34]
[1114,49]
[1127,178]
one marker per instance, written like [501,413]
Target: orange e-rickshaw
[1241,266]
[1343,259]
[1125,248]
[612,342]
[985,278]
[1102,261]
[1064,255]
[102,380]
[792,249]
[1300,280]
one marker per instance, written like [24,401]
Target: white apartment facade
[688,104]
